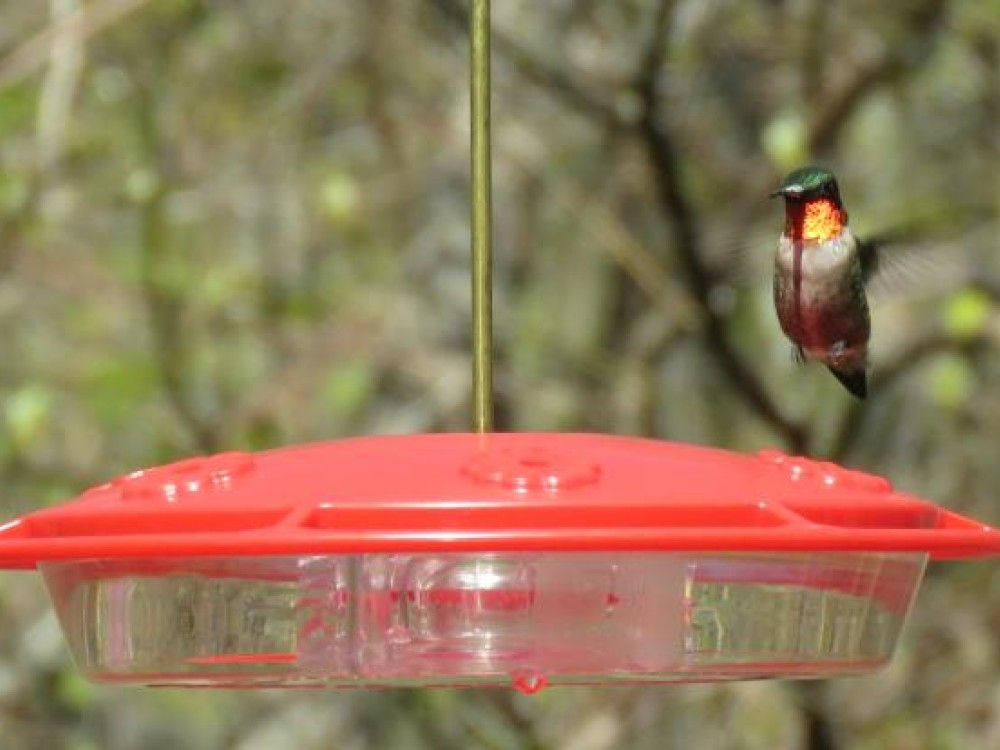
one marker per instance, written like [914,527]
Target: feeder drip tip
[482,220]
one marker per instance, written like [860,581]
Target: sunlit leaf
[348,387]
[74,691]
[967,313]
[340,198]
[27,411]
[950,380]
[785,141]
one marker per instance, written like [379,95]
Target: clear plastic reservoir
[521,618]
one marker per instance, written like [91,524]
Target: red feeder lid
[501,492]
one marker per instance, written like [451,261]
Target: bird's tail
[855,380]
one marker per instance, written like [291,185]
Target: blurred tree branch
[535,70]
[684,226]
[647,273]
[163,303]
[653,131]
[59,85]
[834,107]
[82,23]
[885,377]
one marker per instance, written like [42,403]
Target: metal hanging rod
[482,219]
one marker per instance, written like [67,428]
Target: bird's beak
[788,191]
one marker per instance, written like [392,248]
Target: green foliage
[18,105]
[28,413]
[951,381]
[117,387]
[340,199]
[967,313]
[348,388]
[784,141]
[74,692]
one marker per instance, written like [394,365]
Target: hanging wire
[482,219]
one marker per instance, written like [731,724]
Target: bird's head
[809,183]
[813,208]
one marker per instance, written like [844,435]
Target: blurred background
[234,225]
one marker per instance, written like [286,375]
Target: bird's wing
[898,264]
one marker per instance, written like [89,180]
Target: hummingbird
[820,272]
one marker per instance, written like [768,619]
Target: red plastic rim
[503,492]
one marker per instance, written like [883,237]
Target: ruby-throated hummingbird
[820,272]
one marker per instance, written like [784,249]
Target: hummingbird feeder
[483,558]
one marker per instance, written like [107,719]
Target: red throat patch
[814,221]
